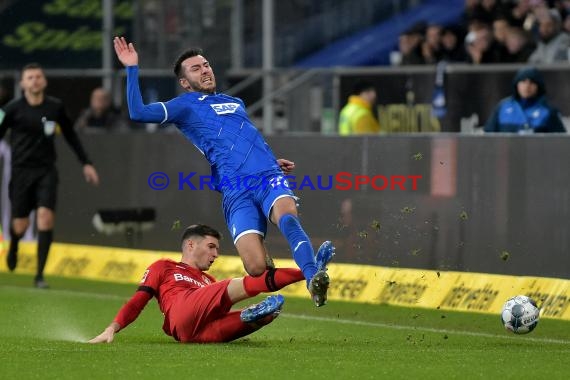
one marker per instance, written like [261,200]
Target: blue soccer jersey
[217,124]
[243,166]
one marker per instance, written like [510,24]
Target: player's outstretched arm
[107,335]
[125,52]
[138,111]
[126,315]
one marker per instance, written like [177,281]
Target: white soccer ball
[520,314]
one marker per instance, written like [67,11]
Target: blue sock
[300,244]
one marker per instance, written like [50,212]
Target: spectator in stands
[566,24]
[356,117]
[451,49]
[431,47]
[100,115]
[471,11]
[490,10]
[519,13]
[500,30]
[520,45]
[410,45]
[561,7]
[480,45]
[553,43]
[526,110]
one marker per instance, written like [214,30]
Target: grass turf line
[42,335]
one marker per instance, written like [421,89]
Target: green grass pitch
[42,335]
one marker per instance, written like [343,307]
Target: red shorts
[193,311]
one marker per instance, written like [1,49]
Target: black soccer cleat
[12,260]
[41,284]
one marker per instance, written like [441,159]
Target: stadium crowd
[493,31]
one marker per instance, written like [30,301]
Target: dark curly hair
[182,57]
[200,230]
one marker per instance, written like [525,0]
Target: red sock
[271,280]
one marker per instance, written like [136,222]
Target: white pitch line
[73,293]
[322,319]
[426,329]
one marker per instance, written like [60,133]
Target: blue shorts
[248,204]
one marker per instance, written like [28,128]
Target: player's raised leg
[223,325]
[321,279]
[284,214]
[270,306]
[271,280]
[230,327]
[253,253]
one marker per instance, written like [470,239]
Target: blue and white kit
[244,169]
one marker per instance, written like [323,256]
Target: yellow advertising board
[461,291]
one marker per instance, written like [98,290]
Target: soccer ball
[520,314]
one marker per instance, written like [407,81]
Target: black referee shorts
[31,188]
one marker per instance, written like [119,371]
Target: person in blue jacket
[527,110]
[252,181]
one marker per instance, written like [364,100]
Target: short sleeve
[151,277]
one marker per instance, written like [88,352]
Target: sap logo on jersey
[224,108]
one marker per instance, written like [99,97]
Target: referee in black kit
[33,120]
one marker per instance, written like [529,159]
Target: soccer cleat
[12,260]
[41,284]
[318,287]
[270,305]
[324,255]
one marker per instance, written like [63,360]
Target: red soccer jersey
[164,279]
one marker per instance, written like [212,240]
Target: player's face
[204,251]
[33,81]
[198,75]
[527,88]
